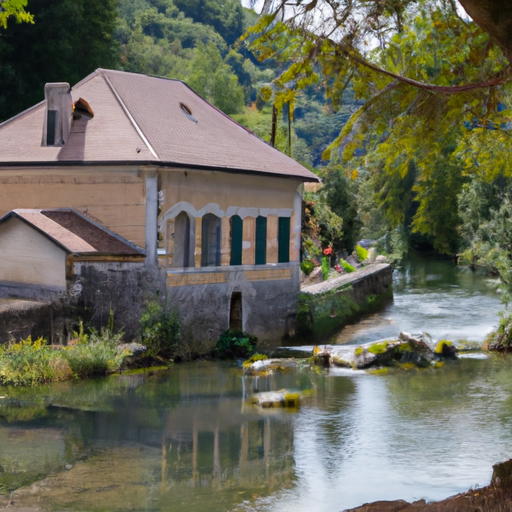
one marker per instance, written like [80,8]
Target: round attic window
[188,113]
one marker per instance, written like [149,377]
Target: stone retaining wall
[327,306]
[22,318]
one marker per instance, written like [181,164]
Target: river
[185,439]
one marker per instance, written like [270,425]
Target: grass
[28,362]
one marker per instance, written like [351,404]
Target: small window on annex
[283,237]
[182,246]
[261,241]
[211,240]
[237,227]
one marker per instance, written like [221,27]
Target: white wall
[27,256]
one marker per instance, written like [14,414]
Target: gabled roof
[144,119]
[75,233]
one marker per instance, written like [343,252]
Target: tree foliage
[15,9]
[68,40]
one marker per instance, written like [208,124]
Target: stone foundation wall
[22,318]
[325,307]
[97,288]
[203,298]
[268,298]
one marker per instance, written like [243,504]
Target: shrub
[235,344]
[501,339]
[28,363]
[99,356]
[325,268]
[347,267]
[160,328]
[362,253]
[307,266]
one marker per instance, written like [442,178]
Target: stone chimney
[58,115]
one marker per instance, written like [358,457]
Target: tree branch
[428,87]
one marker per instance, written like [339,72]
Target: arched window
[211,240]
[182,246]
[261,241]
[237,226]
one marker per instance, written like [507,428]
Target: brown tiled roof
[139,118]
[76,233]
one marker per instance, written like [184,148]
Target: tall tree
[69,39]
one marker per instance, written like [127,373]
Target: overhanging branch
[429,87]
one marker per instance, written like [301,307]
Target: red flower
[328,251]
[338,269]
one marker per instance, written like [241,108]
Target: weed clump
[160,328]
[235,344]
[501,339]
[28,363]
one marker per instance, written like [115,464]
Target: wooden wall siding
[29,257]
[116,199]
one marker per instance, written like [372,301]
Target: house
[216,210]
[41,248]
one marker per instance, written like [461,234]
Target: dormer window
[188,113]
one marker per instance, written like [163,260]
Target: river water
[186,440]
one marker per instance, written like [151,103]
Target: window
[188,113]
[211,239]
[182,254]
[283,237]
[237,225]
[261,241]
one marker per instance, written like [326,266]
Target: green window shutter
[283,255]
[236,240]
[261,241]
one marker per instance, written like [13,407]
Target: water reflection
[187,440]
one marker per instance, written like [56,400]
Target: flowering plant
[328,251]
[338,269]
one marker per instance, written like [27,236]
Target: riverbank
[495,497]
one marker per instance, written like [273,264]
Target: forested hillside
[413,166]
[196,41]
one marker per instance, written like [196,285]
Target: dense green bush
[347,267]
[160,328]
[307,266]
[235,344]
[325,268]
[362,253]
